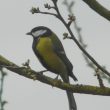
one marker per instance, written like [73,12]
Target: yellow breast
[45,49]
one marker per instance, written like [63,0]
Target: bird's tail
[74,77]
[71,100]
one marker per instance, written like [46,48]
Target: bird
[50,52]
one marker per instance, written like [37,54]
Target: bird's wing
[59,50]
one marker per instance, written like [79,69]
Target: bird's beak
[29,33]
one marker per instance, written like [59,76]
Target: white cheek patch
[39,33]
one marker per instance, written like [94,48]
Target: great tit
[50,52]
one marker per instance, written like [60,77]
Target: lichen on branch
[31,74]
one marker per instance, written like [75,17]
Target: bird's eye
[39,33]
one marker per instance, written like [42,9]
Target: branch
[28,73]
[98,8]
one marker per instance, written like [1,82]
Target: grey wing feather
[58,48]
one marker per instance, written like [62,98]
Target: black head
[40,31]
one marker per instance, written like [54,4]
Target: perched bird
[50,52]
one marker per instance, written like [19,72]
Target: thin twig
[37,10]
[48,14]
